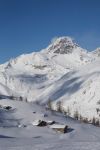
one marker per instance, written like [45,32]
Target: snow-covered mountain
[97,52]
[61,72]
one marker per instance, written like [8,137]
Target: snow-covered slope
[78,90]
[62,72]
[17,131]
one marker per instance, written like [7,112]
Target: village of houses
[41,120]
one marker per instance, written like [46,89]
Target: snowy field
[31,144]
[15,136]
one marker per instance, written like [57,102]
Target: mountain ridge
[62,72]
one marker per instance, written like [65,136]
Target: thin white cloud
[54,39]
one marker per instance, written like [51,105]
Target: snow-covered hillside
[61,72]
[17,131]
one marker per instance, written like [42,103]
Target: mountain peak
[62,45]
[65,39]
[97,52]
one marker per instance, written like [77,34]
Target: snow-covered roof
[55,126]
[35,122]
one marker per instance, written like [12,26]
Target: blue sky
[28,25]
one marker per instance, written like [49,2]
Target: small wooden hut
[39,123]
[59,128]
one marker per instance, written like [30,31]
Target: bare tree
[93,121]
[59,106]
[76,115]
[68,111]
[97,123]
[85,120]
[50,104]
[98,110]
